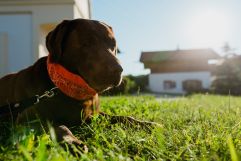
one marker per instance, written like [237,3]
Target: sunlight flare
[210,28]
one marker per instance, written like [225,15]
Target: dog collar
[69,83]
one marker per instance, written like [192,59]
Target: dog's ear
[54,40]
[103,23]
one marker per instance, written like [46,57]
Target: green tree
[228,76]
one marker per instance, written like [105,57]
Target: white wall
[18,29]
[41,13]
[82,9]
[156,81]
[3,53]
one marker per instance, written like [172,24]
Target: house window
[192,85]
[169,84]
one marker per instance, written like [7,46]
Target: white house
[176,72]
[24,25]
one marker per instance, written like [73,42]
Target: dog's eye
[113,42]
[112,51]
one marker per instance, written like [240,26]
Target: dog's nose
[116,69]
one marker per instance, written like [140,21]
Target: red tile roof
[178,55]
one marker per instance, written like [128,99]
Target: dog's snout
[114,74]
[116,69]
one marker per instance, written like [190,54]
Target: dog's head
[86,48]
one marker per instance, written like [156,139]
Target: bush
[141,83]
[124,88]
[130,85]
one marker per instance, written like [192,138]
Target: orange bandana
[70,84]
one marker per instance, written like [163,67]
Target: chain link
[47,94]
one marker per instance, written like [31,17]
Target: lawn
[198,127]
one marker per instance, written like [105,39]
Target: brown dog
[85,48]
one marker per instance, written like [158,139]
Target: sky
[157,25]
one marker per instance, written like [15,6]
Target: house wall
[41,14]
[3,53]
[82,9]
[156,81]
[45,15]
[16,44]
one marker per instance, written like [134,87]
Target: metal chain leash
[47,94]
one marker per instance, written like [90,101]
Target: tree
[228,76]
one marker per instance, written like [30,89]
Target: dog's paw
[74,145]
[69,141]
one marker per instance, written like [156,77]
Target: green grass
[199,127]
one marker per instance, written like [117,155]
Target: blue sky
[142,25]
